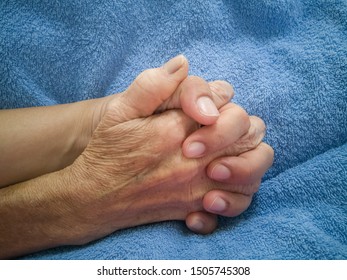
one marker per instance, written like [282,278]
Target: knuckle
[221,90]
[243,117]
[144,82]
[258,123]
[254,135]
[175,127]
[269,150]
[239,116]
[248,141]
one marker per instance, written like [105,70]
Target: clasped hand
[170,147]
[150,160]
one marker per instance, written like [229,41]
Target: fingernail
[174,64]
[220,172]
[207,107]
[218,205]
[195,149]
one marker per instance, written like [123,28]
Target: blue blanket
[287,60]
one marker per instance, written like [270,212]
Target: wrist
[89,117]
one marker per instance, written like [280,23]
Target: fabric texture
[287,60]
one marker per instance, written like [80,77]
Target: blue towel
[287,60]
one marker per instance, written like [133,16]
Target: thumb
[151,88]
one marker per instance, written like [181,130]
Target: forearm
[36,141]
[36,214]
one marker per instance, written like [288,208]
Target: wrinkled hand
[201,100]
[135,170]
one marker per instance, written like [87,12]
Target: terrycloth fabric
[287,60]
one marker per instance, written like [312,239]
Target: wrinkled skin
[137,174]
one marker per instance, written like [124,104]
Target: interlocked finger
[232,124]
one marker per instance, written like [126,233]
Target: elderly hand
[201,101]
[141,167]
